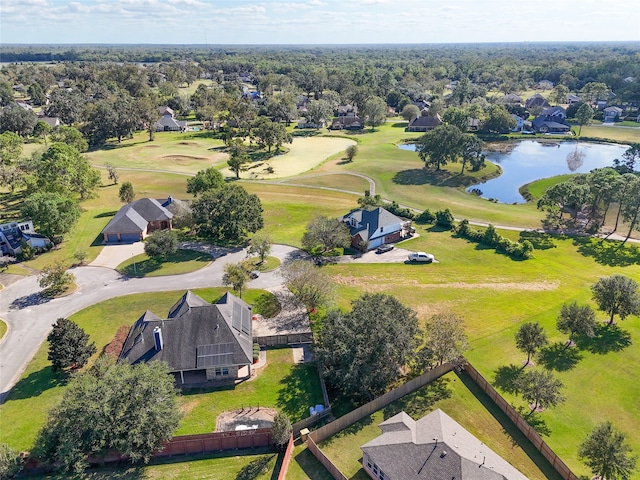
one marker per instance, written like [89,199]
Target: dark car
[385,247]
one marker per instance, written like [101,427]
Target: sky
[316,21]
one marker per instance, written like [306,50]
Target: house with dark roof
[571,99]
[545,124]
[168,123]
[611,113]
[347,123]
[12,235]
[511,99]
[556,113]
[435,447]
[347,111]
[536,101]
[372,228]
[200,341]
[136,220]
[424,123]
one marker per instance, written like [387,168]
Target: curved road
[29,317]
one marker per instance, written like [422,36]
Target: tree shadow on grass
[417,404]
[254,468]
[141,269]
[535,420]
[506,376]
[559,357]
[608,338]
[437,178]
[608,252]
[540,241]
[310,465]
[36,383]
[299,390]
[509,428]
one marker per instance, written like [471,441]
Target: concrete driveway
[113,255]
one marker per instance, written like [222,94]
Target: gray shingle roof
[369,221]
[435,447]
[196,335]
[135,216]
[426,121]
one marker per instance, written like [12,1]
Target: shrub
[426,217]
[445,219]
[404,212]
[10,462]
[491,238]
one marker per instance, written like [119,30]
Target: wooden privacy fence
[324,460]
[286,459]
[310,421]
[380,402]
[533,436]
[201,443]
[288,339]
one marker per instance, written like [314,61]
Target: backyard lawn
[3,329]
[213,466]
[282,384]
[461,400]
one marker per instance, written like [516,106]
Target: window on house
[381,229]
[369,466]
[381,476]
[375,469]
[225,371]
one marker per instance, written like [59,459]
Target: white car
[421,257]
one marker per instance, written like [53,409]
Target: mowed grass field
[303,154]
[185,153]
[281,384]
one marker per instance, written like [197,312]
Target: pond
[530,160]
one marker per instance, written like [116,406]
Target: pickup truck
[421,257]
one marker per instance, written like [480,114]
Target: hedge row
[491,238]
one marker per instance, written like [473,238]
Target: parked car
[385,247]
[421,257]
[254,274]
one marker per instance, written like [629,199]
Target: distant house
[421,104]
[51,121]
[14,233]
[435,447]
[253,95]
[511,99]
[347,111]
[612,113]
[474,124]
[600,104]
[168,123]
[135,221]
[424,123]
[519,123]
[536,101]
[199,341]
[304,123]
[24,105]
[544,124]
[347,123]
[375,227]
[555,113]
[571,99]
[545,85]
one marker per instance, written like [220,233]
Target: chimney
[157,338]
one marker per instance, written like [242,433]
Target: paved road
[30,317]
